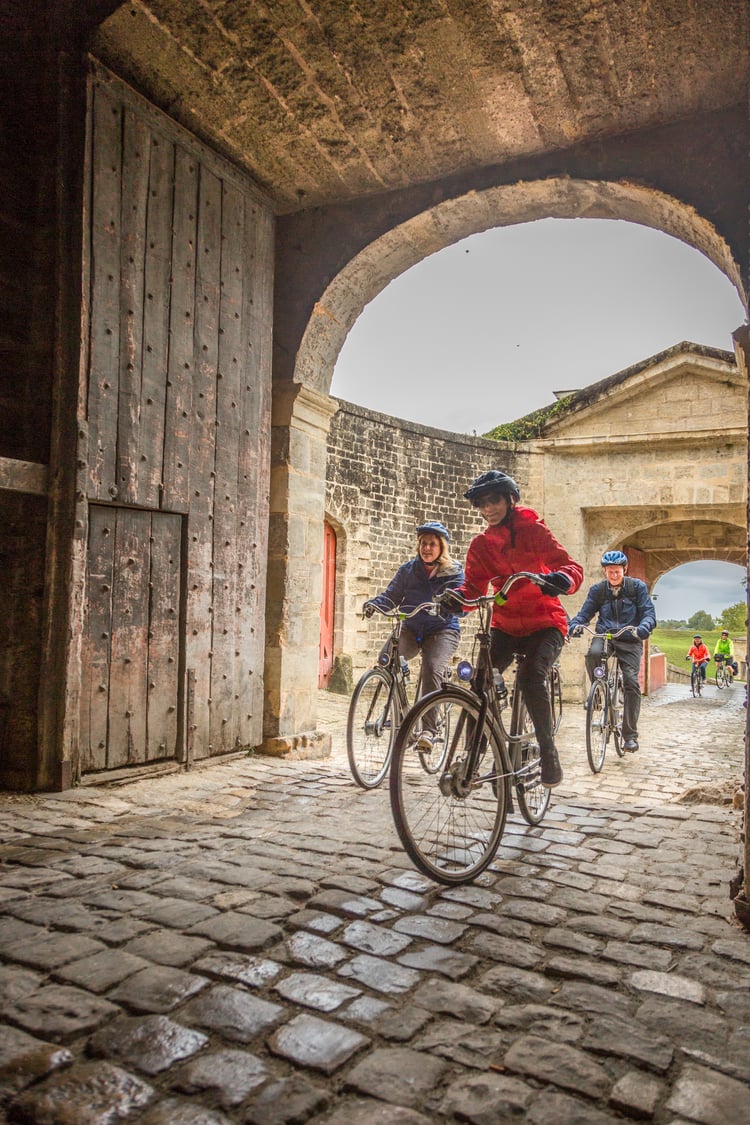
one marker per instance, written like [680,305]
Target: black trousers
[541,650]
[629,654]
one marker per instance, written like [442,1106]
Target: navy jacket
[410,586]
[632,607]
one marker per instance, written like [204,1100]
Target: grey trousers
[437,650]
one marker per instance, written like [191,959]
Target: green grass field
[676,642]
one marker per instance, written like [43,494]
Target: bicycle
[605,702]
[696,679]
[379,702]
[451,823]
[724,672]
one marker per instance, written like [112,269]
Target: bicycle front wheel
[555,697]
[617,703]
[450,822]
[721,676]
[533,797]
[597,726]
[371,727]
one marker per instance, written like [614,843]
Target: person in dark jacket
[419,580]
[619,601]
[533,620]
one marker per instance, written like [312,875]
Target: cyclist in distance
[532,621]
[419,580]
[725,648]
[699,655]
[619,601]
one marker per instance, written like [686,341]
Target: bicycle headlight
[464,670]
[600,672]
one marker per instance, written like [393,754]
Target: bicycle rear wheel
[597,726]
[370,727]
[555,697]
[533,797]
[617,704]
[451,822]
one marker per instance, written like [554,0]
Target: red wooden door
[325,663]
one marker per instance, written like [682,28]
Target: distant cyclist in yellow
[725,651]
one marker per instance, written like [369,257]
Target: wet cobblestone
[248,943]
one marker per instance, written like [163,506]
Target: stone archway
[412,241]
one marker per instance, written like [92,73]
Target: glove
[575,631]
[554,583]
[368,609]
[448,602]
[642,633]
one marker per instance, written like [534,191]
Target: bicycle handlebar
[633,629]
[500,597]
[402,614]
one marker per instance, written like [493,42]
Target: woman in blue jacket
[419,580]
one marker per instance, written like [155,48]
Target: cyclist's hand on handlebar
[448,602]
[368,609]
[575,631]
[642,633]
[553,584]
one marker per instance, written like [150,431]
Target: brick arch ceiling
[411,242]
[691,540]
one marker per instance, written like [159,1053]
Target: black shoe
[552,773]
[631,745]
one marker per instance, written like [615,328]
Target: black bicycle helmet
[614,558]
[493,482]
[434,527]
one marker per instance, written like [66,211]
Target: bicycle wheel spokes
[370,728]
[434,759]
[597,726]
[449,822]
[555,696]
[533,797]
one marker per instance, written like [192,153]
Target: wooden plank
[157,270]
[129,648]
[23,476]
[135,166]
[181,322]
[164,636]
[228,414]
[202,463]
[254,474]
[106,171]
[95,645]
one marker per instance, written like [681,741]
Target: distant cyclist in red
[533,620]
[699,654]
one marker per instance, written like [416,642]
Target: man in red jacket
[533,620]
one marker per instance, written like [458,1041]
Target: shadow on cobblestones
[248,943]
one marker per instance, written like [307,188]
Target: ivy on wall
[531,425]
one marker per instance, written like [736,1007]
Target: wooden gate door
[131,639]
[326,606]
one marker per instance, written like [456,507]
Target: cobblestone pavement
[248,943]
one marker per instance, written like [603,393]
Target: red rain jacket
[500,551]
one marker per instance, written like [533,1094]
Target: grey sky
[488,329]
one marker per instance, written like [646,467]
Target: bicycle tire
[434,760]
[450,828]
[533,797]
[370,727]
[597,726]
[721,677]
[617,705]
[555,697]
[695,683]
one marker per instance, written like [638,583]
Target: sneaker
[552,773]
[631,745]
[425,742]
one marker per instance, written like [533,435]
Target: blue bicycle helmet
[493,482]
[434,527]
[614,558]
